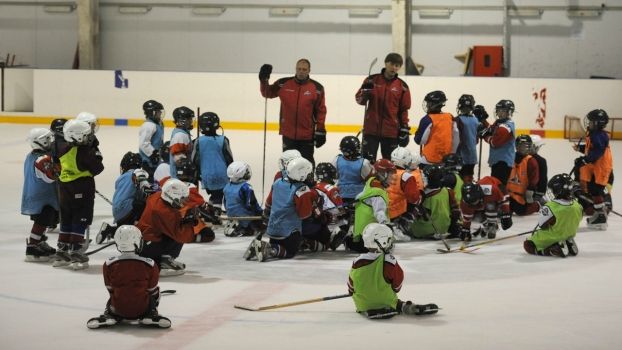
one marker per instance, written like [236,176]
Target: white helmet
[41,139]
[537,143]
[286,156]
[402,157]
[238,171]
[77,132]
[175,193]
[90,118]
[299,169]
[378,236]
[128,239]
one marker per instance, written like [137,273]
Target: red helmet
[383,168]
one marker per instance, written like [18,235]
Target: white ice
[496,298]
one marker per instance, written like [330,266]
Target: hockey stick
[447,247]
[100,248]
[278,306]
[265,131]
[361,132]
[479,164]
[463,247]
[103,197]
[589,200]
[223,217]
[168,291]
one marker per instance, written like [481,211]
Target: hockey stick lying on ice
[592,202]
[463,247]
[168,291]
[98,249]
[223,217]
[278,306]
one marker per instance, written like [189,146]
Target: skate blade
[79,265]
[601,227]
[162,323]
[36,259]
[171,272]
[61,263]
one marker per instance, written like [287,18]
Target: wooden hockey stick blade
[168,291]
[247,308]
[98,249]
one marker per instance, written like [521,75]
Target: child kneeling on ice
[376,278]
[559,220]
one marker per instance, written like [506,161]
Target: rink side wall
[38,96]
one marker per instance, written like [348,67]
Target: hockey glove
[506,221]
[367,88]
[403,137]
[320,138]
[265,71]
[422,213]
[465,234]
[483,131]
[190,217]
[208,214]
[480,113]
[154,157]
[579,162]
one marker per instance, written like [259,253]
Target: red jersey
[494,200]
[132,281]
[159,219]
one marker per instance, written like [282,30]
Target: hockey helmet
[433,176]
[504,109]
[151,109]
[524,144]
[129,239]
[452,162]
[209,122]
[402,158]
[434,101]
[596,120]
[286,157]
[183,118]
[239,171]
[472,193]
[350,147]
[378,236]
[299,169]
[131,160]
[90,118]
[41,139]
[175,193]
[326,172]
[77,132]
[466,103]
[384,171]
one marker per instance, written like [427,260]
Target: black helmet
[131,161]
[350,147]
[165,151]
[209,123]
[452,162]
[150,108]
[524,144]
[472,193]
[57,125]
[562,186]
[433,174]
[186,170]
[506,106]
[466,103]
[183,117]
[325,172]
[434,101]
[598,118]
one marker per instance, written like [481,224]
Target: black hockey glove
[367,87]
[465,234]
[265,71]
[320,138]
[403,137]
[190,217]
[483,131]
[579,162]
[208,214]
[480,113]
[506,221]
[154,157]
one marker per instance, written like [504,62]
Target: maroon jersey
[132,282]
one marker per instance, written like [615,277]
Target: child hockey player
[181,140]
[452,164]
[500,136]
[372,204]
[80,163]
[437,133]
[352,169]
[164,168]
[213,156]
[467,126]
[130,193]
[559,220]
[543,177]
[595,167]
[332,203]
[404,193]
[240,200]
[151,136]
[39,199]
[376,277]
[440,209]
[289,202]
[483,201]
[132,284]
[524,178]
[91,119]
[164,228]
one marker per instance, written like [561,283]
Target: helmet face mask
[524,145]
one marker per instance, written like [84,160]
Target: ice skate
[556,249]
[573,249]
[336,238]
[40,252]
[598,221]
[230,229]
[101,321]
[408,308]
[263,250]
[170,267]
[106,232]
[155,320]
[250,251]
[79,260]
[62,258]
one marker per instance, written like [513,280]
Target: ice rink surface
[496,298]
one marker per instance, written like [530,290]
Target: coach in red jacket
[303,110]
[386,117]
